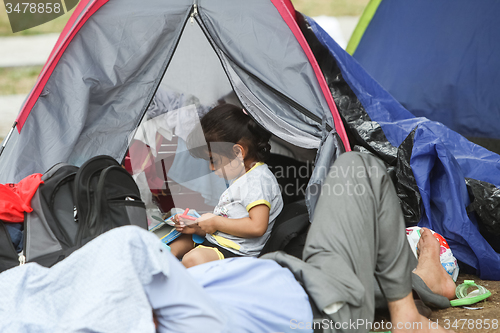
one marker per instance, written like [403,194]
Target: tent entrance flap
[199,77]
[158,156]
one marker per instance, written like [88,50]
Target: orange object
[186,219]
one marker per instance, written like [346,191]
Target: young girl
[242,220]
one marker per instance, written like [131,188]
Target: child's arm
[248,227]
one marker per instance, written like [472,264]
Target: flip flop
[426,294]
[464,298]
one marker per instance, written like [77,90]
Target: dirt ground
[459,319]
[473,321]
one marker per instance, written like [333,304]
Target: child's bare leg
[429,266]
[182,245]
[405,317]
[199,256]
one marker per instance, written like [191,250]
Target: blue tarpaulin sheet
[440,160]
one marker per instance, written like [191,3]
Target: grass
[330,7]
[18,80]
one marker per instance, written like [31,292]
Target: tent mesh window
[158,156]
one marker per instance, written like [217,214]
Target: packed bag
[71,207]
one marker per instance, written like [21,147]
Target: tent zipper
[164,69]
[22,259]
[67,239]
[194,13]
[22,256]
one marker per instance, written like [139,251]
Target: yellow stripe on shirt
[224,242]
[258,202]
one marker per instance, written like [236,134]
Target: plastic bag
[446,256]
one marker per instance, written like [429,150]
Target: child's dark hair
[228,123]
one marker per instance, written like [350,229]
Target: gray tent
[114,55]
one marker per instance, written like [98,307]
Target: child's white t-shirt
[256,187]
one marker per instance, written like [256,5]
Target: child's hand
[207,222]
[182,227]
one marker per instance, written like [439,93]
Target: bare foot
[429,266]
[406,319]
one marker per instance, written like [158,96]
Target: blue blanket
[113,283]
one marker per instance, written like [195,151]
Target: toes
[425,233]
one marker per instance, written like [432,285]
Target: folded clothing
[16,235]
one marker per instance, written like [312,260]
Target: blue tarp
[440,160]
[439,59]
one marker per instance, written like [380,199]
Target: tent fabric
[110,60]
[102,76]
[80,15]
[87,8]
[440,159]
[288,13]
[437,58]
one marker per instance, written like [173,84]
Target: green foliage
[330,7]
[18,80]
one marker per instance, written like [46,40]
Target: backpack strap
[118,200]
[112,200]
[86,182]
[8,254]
[51,226]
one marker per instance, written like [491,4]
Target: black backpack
[71,207]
